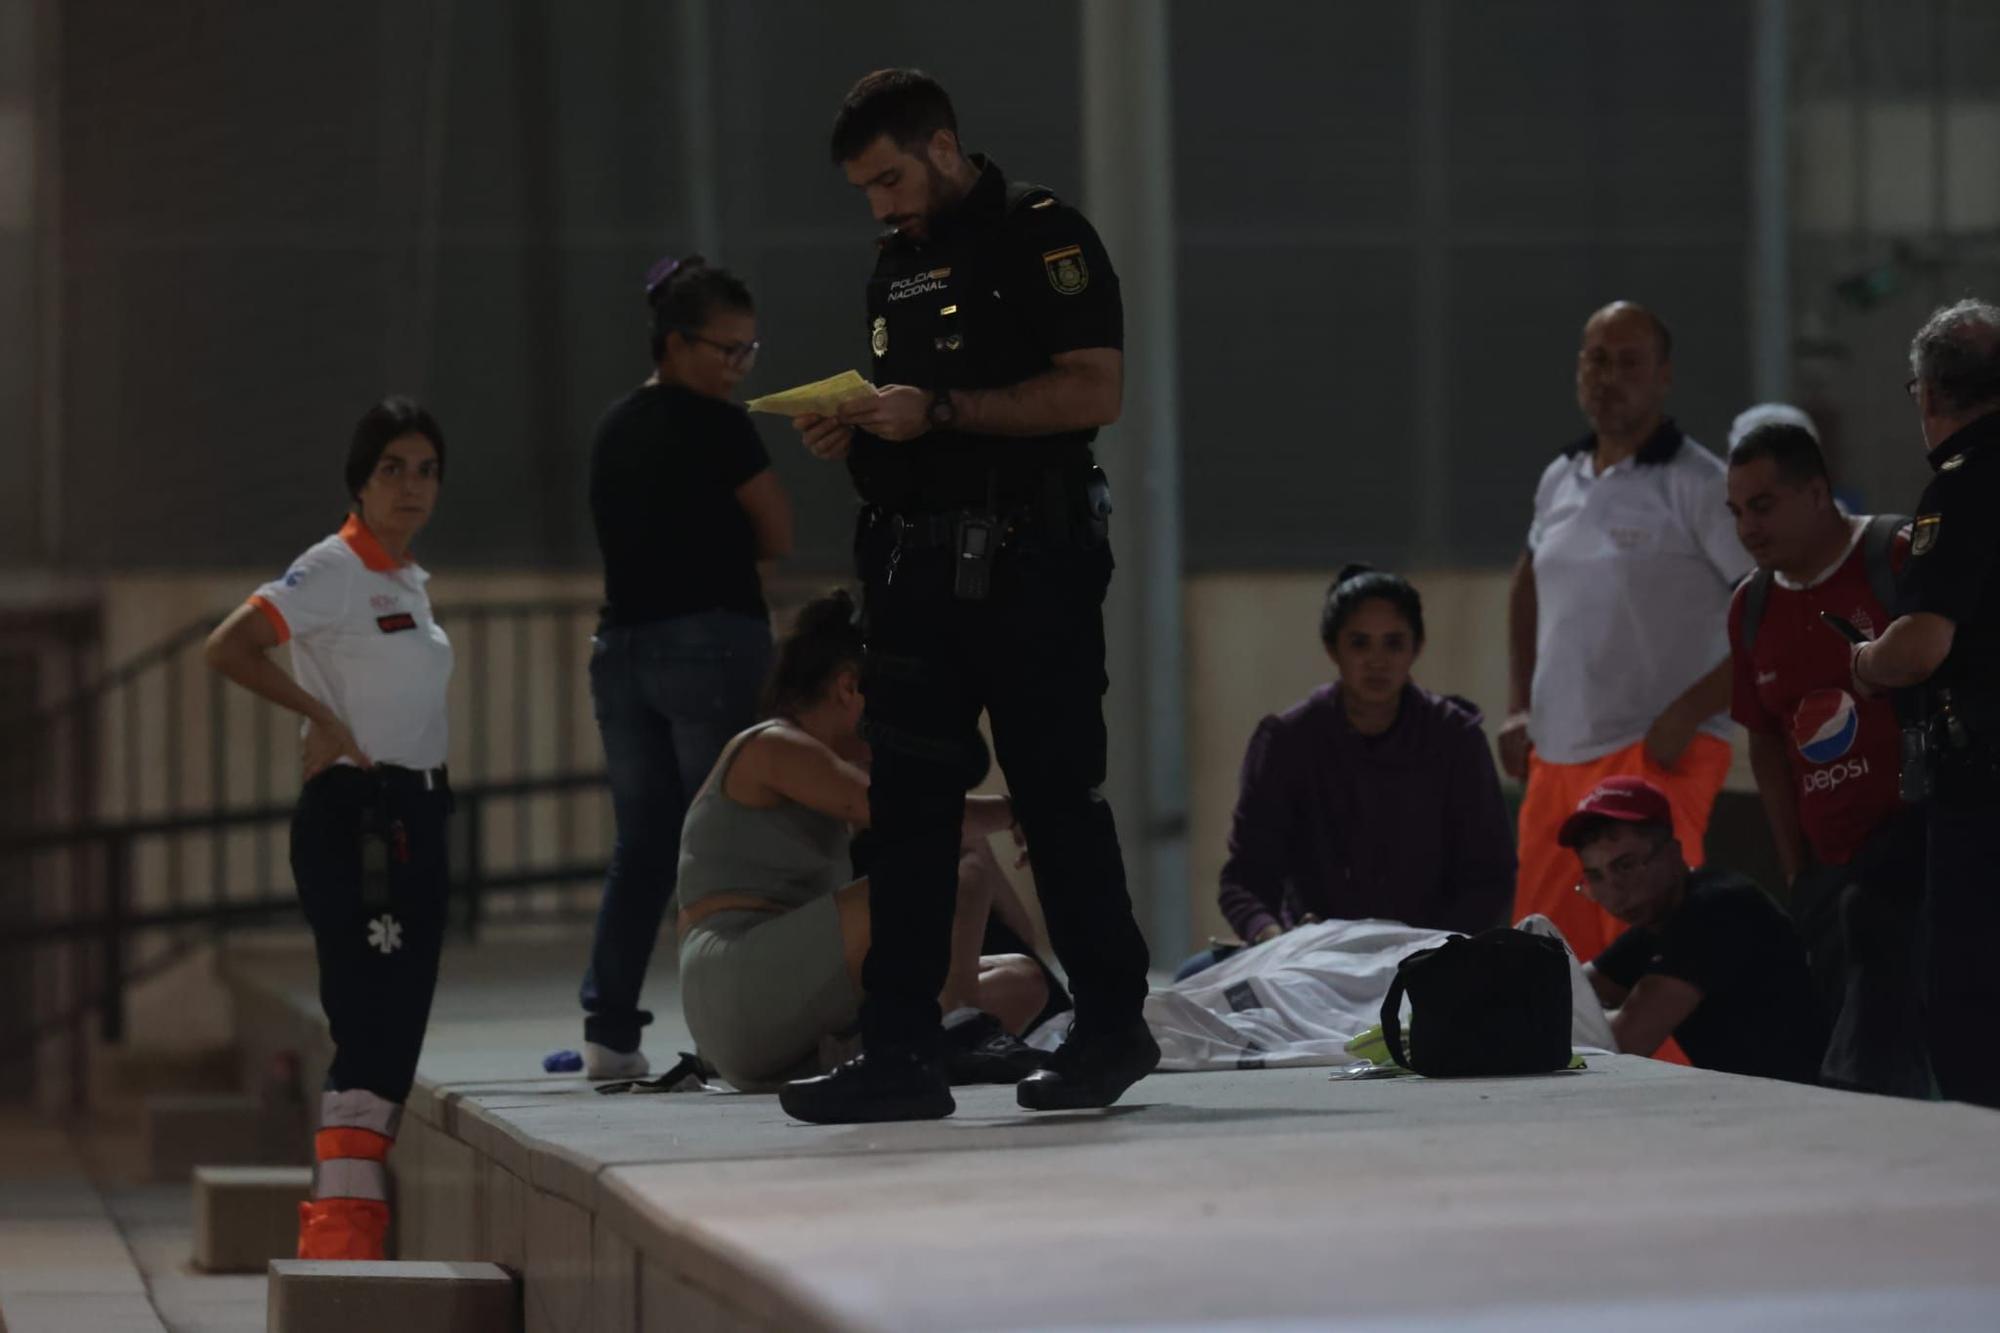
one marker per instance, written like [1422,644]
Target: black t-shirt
[1007,280]
[664,469]
[1737,947]
[1954,568]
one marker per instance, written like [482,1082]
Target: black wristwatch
[940,410]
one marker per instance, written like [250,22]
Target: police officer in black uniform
[995,327]
[1943,652]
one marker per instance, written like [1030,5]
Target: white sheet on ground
[1298,999]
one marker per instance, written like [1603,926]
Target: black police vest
[938,318]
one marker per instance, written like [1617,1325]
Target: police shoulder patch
[1924,533]
[1066,270]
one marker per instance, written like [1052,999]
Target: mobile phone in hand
[1844,627]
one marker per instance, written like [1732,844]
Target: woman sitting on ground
[1371,797]
[772,934]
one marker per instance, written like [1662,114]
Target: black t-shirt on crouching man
[664,469]
[1731,942]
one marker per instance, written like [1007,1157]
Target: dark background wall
[272,214]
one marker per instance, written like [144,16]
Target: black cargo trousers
[1031,656]
[378,928]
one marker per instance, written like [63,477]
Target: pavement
[1632,1194]
[1632,1191]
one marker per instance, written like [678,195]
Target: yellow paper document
[820,397]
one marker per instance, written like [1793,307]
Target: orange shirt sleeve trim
[274,615]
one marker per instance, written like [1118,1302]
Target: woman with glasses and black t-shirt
[685,506]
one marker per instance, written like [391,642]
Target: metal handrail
[112,899]
[114,927]
[101,831]
[177,641]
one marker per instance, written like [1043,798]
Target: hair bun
[830,613]
[1353,571]
[666,270]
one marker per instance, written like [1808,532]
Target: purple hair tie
[656,277]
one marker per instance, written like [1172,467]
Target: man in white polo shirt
[1618,624]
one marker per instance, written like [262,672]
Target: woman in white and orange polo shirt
[368,839]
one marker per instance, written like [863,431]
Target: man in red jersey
[1826,762]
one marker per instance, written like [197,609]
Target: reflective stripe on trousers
[351,1178]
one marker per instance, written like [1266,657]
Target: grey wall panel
[1298,120]
[250,117]
[1298,370]
[204,426]
[1591,118]
[246,189]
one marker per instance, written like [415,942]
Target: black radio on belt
[975,541]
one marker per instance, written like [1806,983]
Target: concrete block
[503,1215]
[183,1132]
[556,1282]
[246,1216]
[614,1280]
[316,1296]
[668,1304]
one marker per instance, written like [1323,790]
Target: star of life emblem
[385,933]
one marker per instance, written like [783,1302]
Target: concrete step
[182,1131]
[246,1216]
[320,1296]
[144,1073]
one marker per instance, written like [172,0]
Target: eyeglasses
[738,356]
[1620,870]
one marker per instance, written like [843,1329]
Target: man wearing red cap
[1707,960]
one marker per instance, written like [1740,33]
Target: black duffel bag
[1493,1003]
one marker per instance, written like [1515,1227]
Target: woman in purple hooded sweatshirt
[1370,797]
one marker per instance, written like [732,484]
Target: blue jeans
[668,696]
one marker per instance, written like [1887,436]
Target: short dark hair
[1594,829]
[1956,355]
[683,293]
[1356,584]
[824,641]
[388,421]
[907,105]
[1791,448]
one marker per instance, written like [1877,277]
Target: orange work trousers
[1549,872]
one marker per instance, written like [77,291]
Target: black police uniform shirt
[664,469]
[1731,942]
[1954,568]
[1008,279]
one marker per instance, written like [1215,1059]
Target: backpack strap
[1392,1004]
[1392,1020]
[1878,546]
[1756,592]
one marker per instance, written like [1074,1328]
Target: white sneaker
[601,1062]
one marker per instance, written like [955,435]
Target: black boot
[1091,1069]
[872,1087]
